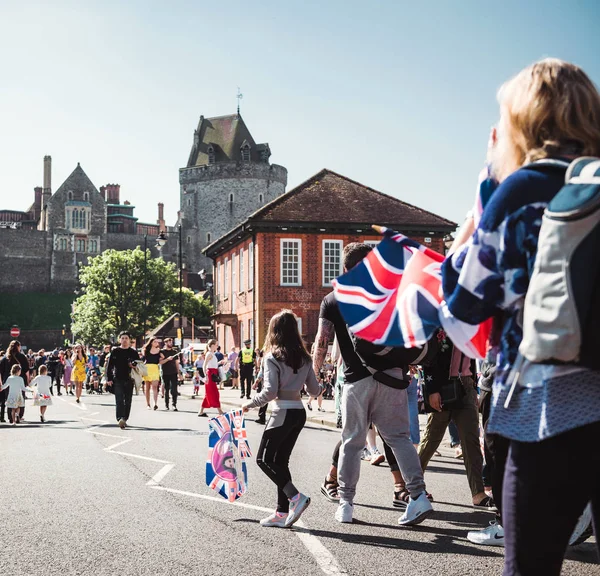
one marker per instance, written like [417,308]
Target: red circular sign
[14,332]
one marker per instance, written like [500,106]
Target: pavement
[82,497]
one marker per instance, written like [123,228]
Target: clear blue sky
[398,95]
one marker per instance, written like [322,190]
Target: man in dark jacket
[452,374]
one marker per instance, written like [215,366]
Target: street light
[161,240]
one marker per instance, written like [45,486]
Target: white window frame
[371,243]
[233,283]
[217,280]
[251,266]
[242,288]
[340,243]
[299,321]
[225,279]
[298,242]
[251,330]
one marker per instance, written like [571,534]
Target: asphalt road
[82,497]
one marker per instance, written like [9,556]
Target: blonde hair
[550,108]
[16,369]
[43,370]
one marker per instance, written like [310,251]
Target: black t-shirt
[152,358]
[330,310]
[6,365]
[118,363]
[169,368]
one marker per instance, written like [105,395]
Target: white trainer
[274,520]
[416,511]
[344,512]
[376,457]
[296,508]
[493,535]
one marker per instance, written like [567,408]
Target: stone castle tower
[228,177]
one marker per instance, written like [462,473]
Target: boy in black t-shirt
[118,376]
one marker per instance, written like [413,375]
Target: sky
[398,95]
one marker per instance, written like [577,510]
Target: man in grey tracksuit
[366,401]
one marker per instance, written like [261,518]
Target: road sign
[14,332]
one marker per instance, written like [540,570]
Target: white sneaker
[344,512]
[493,535]
[376,457]
[296,508]
[365,454]
[583,529]
[274,520]
[416,511]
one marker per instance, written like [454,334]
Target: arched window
[83,225]
[211,154]
[208,237]
[231,197]
[260,198]
[70,195]
[246,152]
[86,196]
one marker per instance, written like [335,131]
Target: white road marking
[160,475]
[94,413]
[213,499]
[93,431]
[109,448]
[140,457]
[323,557]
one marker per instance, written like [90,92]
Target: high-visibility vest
[247,354]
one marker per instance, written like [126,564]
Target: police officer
[247,360]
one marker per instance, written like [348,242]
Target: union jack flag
[394,297]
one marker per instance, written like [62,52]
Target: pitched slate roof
[226,134]
[331,197]
[330,200]
[78,181]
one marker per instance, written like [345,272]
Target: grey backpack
[561,317]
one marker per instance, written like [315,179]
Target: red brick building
[286,254]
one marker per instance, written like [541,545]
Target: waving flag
[393,297]
[228,450]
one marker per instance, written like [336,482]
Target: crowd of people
[514,433]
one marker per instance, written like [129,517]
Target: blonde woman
[549,115]
[151,355]
[78,373]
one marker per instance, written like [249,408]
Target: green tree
[122,290]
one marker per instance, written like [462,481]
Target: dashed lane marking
[116,444]
[140,457]
[323,557]
[155,480]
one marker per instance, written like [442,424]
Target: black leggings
[536,534]
[278,441]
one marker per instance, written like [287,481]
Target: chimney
[113,192]
[37,202]
[161,217]
[47,174]
[103,192]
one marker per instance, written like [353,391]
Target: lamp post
[161,240]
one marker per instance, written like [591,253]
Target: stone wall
[25,260]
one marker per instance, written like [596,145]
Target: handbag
[452,393]
[215,377]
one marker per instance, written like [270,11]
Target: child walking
[41,396]
[287,369]
[16,387]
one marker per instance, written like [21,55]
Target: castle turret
[228,177]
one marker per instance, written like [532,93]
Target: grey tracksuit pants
[368,401]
